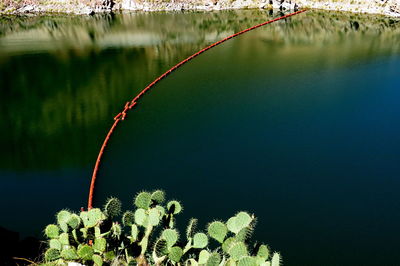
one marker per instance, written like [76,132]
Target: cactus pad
[175,254]
[92,217]
[200,240]
[143,200]
[85,252]
[171,236]
[141,218]
[238,222]
[245,233]
[113,207]
[55,243]
[217,230]
[228,243]
[158,196]
[203,256]
[160,248]
[128,218]
[214,259]
[134,232]
[248,261]
[69,254]
[64,239]
[100,245]
[97,259]
[52,254]
[174,207]
[238,250]
[74,221]
[52,231]
[154,217]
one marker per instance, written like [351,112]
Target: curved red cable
[129,105]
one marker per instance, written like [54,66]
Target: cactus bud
[217,230]
[116,230]
[200,240]
[191,228]
[134,233]
[276,259]
[143,200]
[52,254]
[174,207]
[128,218]
[171,236]
[85,252]
[158,196]
[113,207]
[175,254]
[52,231]
[263,252]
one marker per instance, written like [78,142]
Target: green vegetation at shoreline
[148,236]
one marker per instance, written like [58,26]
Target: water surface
[296,122]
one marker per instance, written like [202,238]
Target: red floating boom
[129,105]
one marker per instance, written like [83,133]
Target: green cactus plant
[94,237]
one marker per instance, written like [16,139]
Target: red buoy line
[121,116]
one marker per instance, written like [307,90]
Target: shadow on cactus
[148,236]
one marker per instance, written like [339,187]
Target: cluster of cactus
[148,236]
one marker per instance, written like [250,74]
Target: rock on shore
[385,7]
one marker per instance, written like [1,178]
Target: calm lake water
[297,122]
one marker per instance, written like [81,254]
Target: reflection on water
[62,79]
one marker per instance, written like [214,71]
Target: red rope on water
[121,116]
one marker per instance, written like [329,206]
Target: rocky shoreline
[383,7]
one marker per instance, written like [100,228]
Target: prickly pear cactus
[146,235]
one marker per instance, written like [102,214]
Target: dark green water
[297,122]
